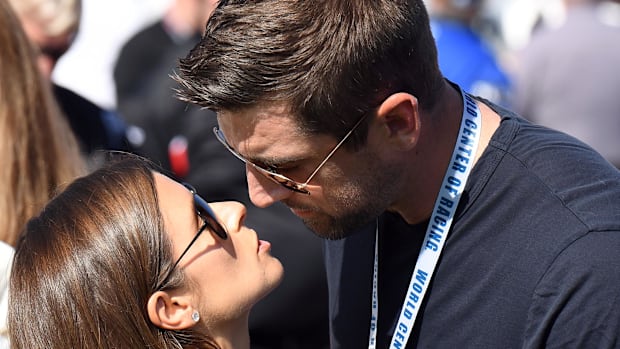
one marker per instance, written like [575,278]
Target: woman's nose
[230,213]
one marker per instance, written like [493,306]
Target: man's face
[350,190]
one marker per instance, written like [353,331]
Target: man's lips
[302,212]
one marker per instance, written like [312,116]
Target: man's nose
[263,191]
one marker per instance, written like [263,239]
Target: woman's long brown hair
[37,147]
[86,266]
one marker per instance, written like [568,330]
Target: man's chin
[329,229]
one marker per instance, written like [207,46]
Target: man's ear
[400,116]
[170,312]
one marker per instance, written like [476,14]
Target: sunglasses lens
[276,177]
[209,216]
[283,181]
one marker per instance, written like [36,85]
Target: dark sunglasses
[207,215]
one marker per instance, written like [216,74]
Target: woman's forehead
[174,199]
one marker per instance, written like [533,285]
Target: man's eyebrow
[270,161]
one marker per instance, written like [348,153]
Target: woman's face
[228,276]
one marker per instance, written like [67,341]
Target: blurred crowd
[552,62]
[499,34]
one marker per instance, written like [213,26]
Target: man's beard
[357,204]
[336,228]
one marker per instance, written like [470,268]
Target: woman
[128,258]
[39,150]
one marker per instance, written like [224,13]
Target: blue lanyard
[437,231]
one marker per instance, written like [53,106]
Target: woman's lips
[263,246]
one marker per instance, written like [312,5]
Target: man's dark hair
[330,61]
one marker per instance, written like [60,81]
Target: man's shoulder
[540,163]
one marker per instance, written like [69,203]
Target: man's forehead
[268,131]
[244,123]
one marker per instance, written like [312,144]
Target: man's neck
[427,164]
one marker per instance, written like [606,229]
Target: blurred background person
[39,150]
[51,26]
[466,56]
[181,25]
[104,27]
[567,77]
[143,86]
[179,137]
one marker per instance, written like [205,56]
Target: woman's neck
[239,341]
[232,335]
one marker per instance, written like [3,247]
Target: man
[340,111]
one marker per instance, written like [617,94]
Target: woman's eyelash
[200,221]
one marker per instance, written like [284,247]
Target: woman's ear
[400,116]
[171,312]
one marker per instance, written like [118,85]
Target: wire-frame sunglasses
[281,179]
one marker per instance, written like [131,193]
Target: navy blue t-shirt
[532,259]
